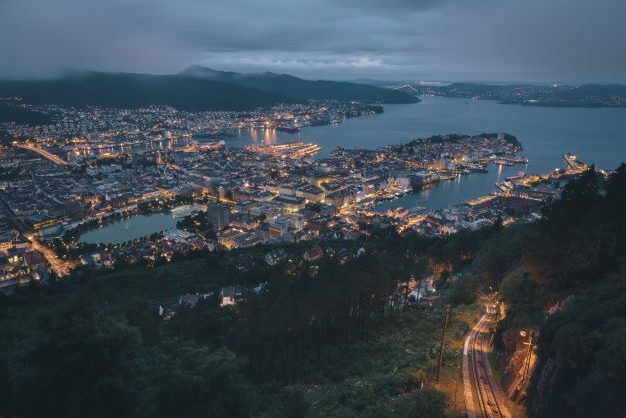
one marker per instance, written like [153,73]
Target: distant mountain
[586,95]
[378,83]
[301,89]
[597,90]
[195,89]
[138,90]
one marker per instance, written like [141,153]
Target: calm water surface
[134,227]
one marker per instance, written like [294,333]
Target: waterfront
[546,133]
[449,192]
[596,135]
[131,228]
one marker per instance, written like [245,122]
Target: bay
[596,135]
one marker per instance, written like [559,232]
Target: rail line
[487,393]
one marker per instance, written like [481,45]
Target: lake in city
[595,135]
[136,226]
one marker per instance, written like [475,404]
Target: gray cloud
[535,40]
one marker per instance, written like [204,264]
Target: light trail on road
[477,375]
[46,154]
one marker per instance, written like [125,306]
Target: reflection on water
[253,133]
[446,193]
[267,136]
[136,226]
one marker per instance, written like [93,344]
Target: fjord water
[596,135]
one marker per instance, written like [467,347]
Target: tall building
[218,215]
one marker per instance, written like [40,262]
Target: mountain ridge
[301,89]
[195,89]
[139,90]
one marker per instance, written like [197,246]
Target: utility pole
[443,337]
[456,390]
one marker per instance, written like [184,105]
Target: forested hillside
[140,90]
[328,345]
[570,287]
[564,280]
[190,91]
[302,89]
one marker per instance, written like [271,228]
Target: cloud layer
[534,40]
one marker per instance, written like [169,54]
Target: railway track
[478,372]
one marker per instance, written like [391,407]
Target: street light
[531,345]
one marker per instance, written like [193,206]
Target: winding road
[483,397]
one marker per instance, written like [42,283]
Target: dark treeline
[285,330]
[22,116]
[97,347]
[564,278]
[578,254]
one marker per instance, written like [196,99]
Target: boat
[288,129]
[520,175]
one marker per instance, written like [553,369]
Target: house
[192,299]
[165,313]
[343,255]
[98,260]
[229,295]
[275,256]
[313,254]
[262,233]
[35,260]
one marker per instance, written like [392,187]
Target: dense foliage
[22,116]
[328,344]
[565,277]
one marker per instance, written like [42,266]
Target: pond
[133,227]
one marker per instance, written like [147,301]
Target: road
[59,266]
[48,155]
[483,397]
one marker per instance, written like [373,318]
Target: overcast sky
[495,40]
